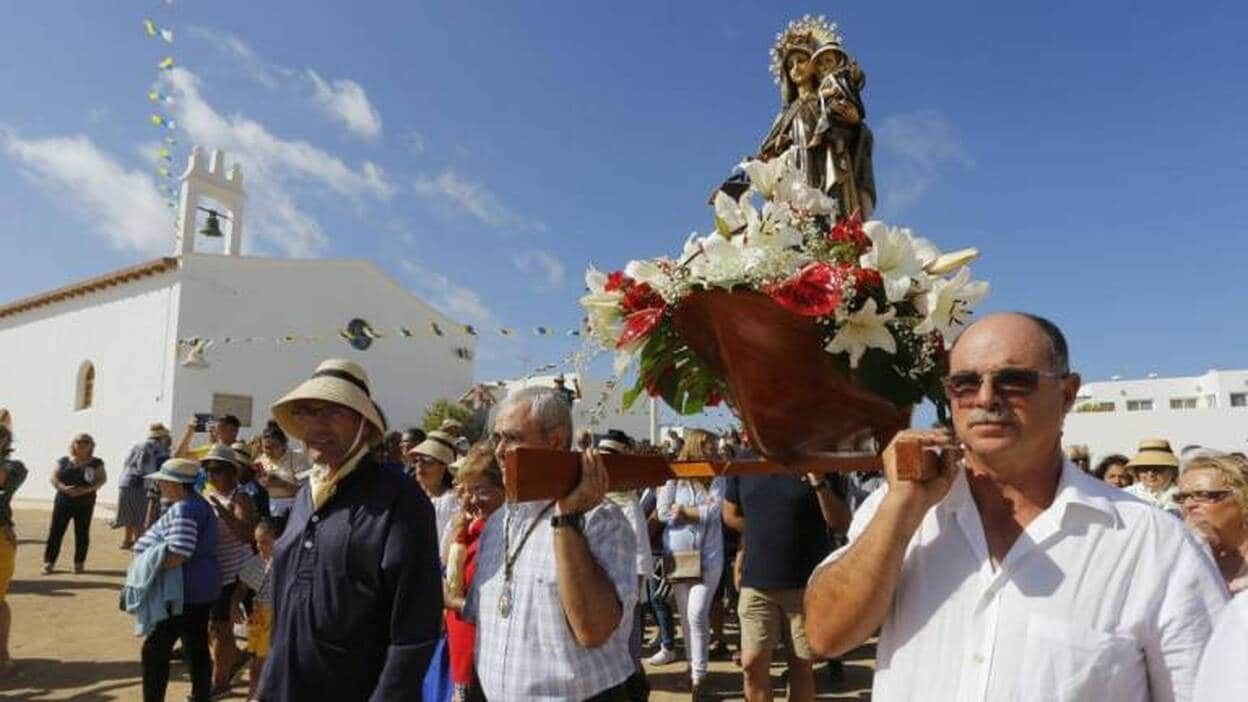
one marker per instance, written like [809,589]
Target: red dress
[461,636]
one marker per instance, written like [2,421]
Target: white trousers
[693,600]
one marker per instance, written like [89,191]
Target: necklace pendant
[504,602]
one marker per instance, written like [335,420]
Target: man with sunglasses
[1012,574]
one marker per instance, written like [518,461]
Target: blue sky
[484,153]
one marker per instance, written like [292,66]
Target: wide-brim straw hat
[1154,452]
[336,380]
[242,453]
[220,454]
[156,430]
[438,446]
[177,470]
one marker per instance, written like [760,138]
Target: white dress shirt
[1102,598]
[1224,667]
[531,654]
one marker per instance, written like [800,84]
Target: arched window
[86,386]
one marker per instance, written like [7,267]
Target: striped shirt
[232,552]
[189,528]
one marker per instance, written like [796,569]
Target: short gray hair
[548,407]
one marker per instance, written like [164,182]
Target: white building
[1209,410]
[103,356]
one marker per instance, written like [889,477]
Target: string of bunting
[160,105]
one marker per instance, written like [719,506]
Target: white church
[201,332]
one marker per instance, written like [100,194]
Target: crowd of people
[373,564]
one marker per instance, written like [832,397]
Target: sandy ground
[71,642]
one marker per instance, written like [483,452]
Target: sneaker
[663,657]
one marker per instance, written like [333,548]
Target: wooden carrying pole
[543,474]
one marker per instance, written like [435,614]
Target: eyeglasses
[422,458]
[307,414]
[483,492]
[1152,469]
[1006,382]
[1201,497]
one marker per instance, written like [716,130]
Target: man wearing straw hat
[357,590]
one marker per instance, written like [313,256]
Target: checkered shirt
[532,654]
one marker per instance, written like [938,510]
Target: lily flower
[732,217]
[950,262]
[648,272]
[794,192]
[720,264]
[893,255]
[862,330]
[765,175]
[948,304]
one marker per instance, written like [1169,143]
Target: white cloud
[341,100]
[923,144]
[548,269]
[123,206]
[473,199]
[272,167]
[345,101]
[455,301]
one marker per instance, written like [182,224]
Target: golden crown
[805,34]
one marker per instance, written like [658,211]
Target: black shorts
[221,608]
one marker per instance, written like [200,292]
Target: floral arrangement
[884,299]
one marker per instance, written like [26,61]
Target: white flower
[720,263]
[893,255]
[774,230]
[764,175]
[794,191]
[949,302]
[648,272]
[732,216]
[950,262]
[595,280]
[862,330]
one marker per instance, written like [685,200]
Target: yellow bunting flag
[158,121]
[149,27]
[166,63]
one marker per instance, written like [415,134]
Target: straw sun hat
[336,380]
[1154,452]
[177,470]
[437,445]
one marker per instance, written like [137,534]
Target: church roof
[108,280]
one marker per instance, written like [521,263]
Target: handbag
[685,565]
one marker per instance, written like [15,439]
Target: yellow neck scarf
[325,483]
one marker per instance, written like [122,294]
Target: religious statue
[822,114]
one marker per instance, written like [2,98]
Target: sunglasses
[1006,382]
[1201,497]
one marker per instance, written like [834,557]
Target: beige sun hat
[438,445]
[336,380]
[1154,452]
[156,430]
[177,470]
[220,453]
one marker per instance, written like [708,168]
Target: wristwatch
[576,520]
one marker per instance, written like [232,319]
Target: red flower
[849,231]
[638,325]
[814,292]
[640,296]
[867,279]
[617,281]
[714,400]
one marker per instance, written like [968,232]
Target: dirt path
[71,642]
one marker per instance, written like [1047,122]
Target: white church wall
[247,296]
[126,333]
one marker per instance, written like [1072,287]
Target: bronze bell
[212,227]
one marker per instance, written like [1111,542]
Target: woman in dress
[432,458]
[480,490]
[143,460]
[76,477]
[12,473]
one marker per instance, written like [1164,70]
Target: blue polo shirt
[189,527]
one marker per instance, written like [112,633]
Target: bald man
[1012,575]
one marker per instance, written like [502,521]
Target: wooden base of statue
[802,413]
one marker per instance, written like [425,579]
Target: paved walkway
[71,642]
